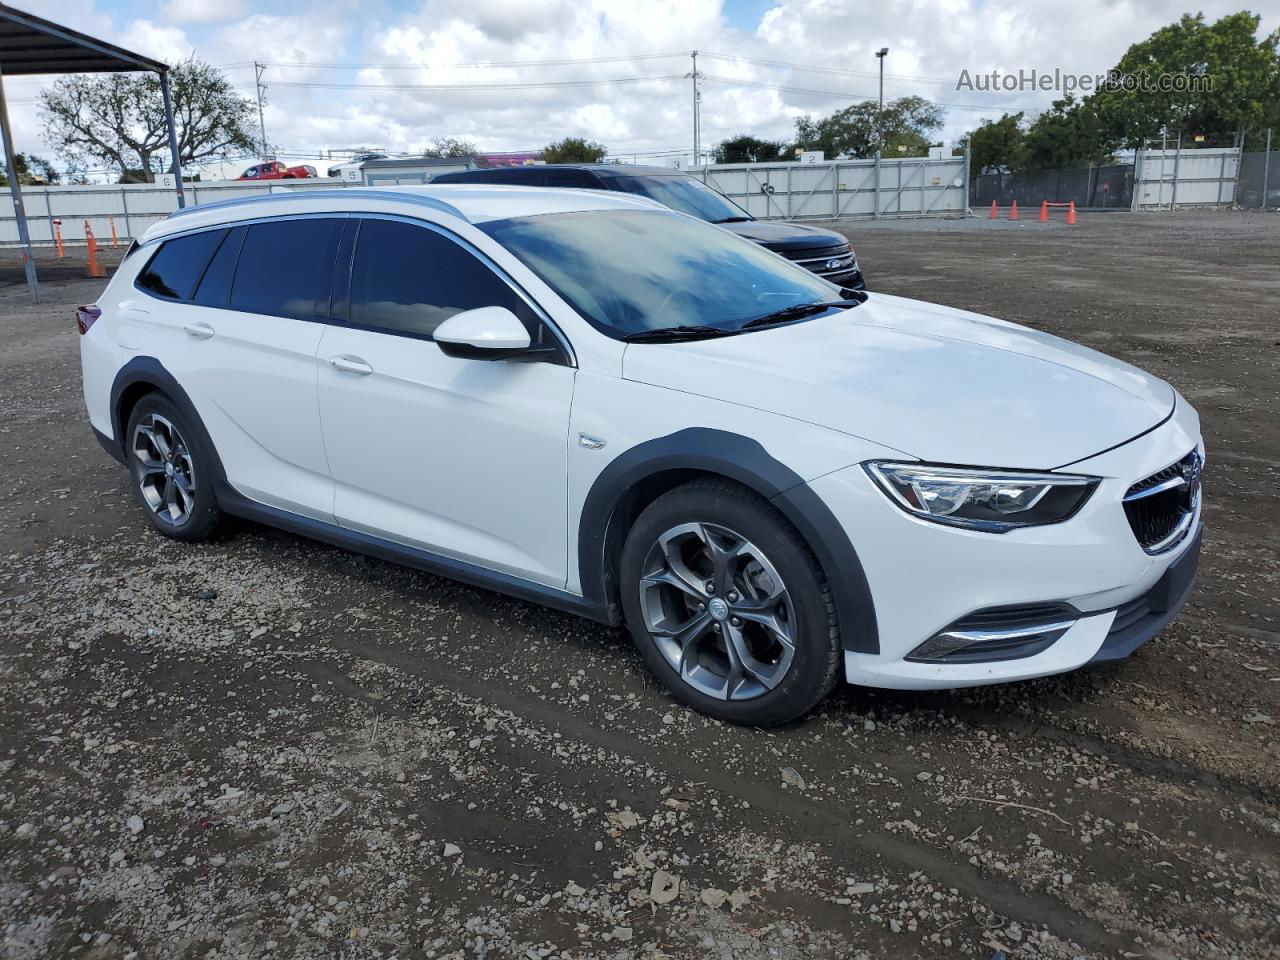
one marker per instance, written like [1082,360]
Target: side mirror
[486,333]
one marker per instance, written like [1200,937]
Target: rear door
[250,334]
[466,458]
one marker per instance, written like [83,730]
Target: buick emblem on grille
[1191,470]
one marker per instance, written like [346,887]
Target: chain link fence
[1097,187]
[1258,186]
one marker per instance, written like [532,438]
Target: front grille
[817,253]
[1161,508]
[817,259]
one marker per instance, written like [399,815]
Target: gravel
[261,746]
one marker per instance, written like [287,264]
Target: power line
[320,85]
[820,69]
[733,81]
[484,64]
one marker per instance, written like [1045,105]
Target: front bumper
[1142,618]
[924,577]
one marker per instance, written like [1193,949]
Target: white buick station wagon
[592,402]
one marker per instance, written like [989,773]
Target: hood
[785,236]
[939,384]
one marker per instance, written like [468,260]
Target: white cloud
[165,43]
[930,43]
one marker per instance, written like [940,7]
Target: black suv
[825,252]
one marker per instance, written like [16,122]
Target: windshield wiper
[696,331]
[797,312]
[734,220]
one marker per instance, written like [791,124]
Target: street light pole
[880,55]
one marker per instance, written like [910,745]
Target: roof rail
[349,193]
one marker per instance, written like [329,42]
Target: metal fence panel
[915,187]
[133,207]
[782,191]
[1186,178]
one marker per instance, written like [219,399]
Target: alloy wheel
[164,469]
[718,611]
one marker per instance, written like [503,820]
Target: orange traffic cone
[94,269]
[995,213]
[1044,211]
[1013,211]
[1071,213]
[115,241]
[57,235]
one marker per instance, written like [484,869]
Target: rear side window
[284,268]
[409,279]
[178,265]
[215,287]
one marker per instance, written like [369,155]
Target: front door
[466,458]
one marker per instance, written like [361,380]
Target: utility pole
[697,112]
[258,70]
[880,55]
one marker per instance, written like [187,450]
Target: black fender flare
[743,460]
[150,372]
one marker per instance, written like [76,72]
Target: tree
[748,149]
[574,150]
[1230,81]
[33,171]
[907,143]
[118,119]
[998,144]
[858,130]
[1067,135]
[450,147]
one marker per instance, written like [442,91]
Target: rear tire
[172,470]
[728,605]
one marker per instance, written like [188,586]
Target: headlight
[992,500]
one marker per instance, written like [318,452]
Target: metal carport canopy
[31,45]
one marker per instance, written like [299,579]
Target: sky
[334,65]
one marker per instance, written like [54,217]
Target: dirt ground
[264,747]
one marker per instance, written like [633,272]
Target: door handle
[351,365]
[201,331]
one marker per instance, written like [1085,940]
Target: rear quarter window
[178,265]
[215,286]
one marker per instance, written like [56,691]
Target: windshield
[683,193]
[631,271]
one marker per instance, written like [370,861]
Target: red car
[275,170]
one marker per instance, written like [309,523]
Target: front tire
[728,605]
[172,471]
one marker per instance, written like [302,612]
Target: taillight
[86,315]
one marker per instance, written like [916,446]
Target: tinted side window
[284,267]
[410,279]
[461,176]
[570,178]
[178,264]
[215,286]
[517,177]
